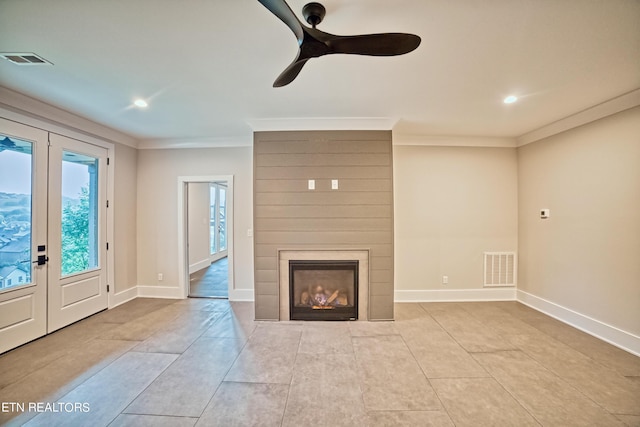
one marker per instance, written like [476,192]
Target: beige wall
[586,256]
[451,205]
[198,226]
[158,172]
[125,245]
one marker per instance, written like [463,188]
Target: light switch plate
[334,184]
[312,184]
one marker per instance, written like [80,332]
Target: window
[79,213]
[15,208]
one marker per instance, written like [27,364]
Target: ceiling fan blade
[290,73]
[386,44]
[281,9]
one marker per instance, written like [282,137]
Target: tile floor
[212,281]
[206,362]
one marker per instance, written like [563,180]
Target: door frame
[56,128]
[183,253]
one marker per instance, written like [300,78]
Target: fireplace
[323,290]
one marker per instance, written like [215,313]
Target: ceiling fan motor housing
[313,13]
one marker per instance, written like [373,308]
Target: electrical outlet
[445,280]
[160,277]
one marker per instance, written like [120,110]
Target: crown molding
[322,123]
[34,112]
[453,141]
[232,141]
[599,111]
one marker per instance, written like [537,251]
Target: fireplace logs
[323,290]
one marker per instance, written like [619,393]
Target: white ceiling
[207,66]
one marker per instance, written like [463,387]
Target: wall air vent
[500,269]
[28,58]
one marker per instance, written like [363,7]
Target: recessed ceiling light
[140,103]
[510,99]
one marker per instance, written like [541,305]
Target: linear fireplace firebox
[323,290]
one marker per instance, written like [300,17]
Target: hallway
[211,282]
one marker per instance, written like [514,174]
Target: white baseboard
[615,336]
[455,295]
[121,297]
[598,329]
[241,295]
[200,265]
[160,292]
[169,292]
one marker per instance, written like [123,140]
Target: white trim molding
[591,326]
[241,295]
[322,123]
[168,292]
[244,139]
[200,265]
[591,114]
[183,262]
[122,297]
[455,295]
[399,138]
[33,112]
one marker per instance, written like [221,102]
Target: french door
[218,220]
[52,232]
[77,278]
[23,231]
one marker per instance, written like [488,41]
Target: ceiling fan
[314,43]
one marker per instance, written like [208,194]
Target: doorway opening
[207,225]
[207,239]
[211,282]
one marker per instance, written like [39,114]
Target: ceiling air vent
[28,58]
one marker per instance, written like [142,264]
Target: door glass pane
[222,226]
[79,213]
[15,212]
[212,219]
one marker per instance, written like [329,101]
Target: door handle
[42,260]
